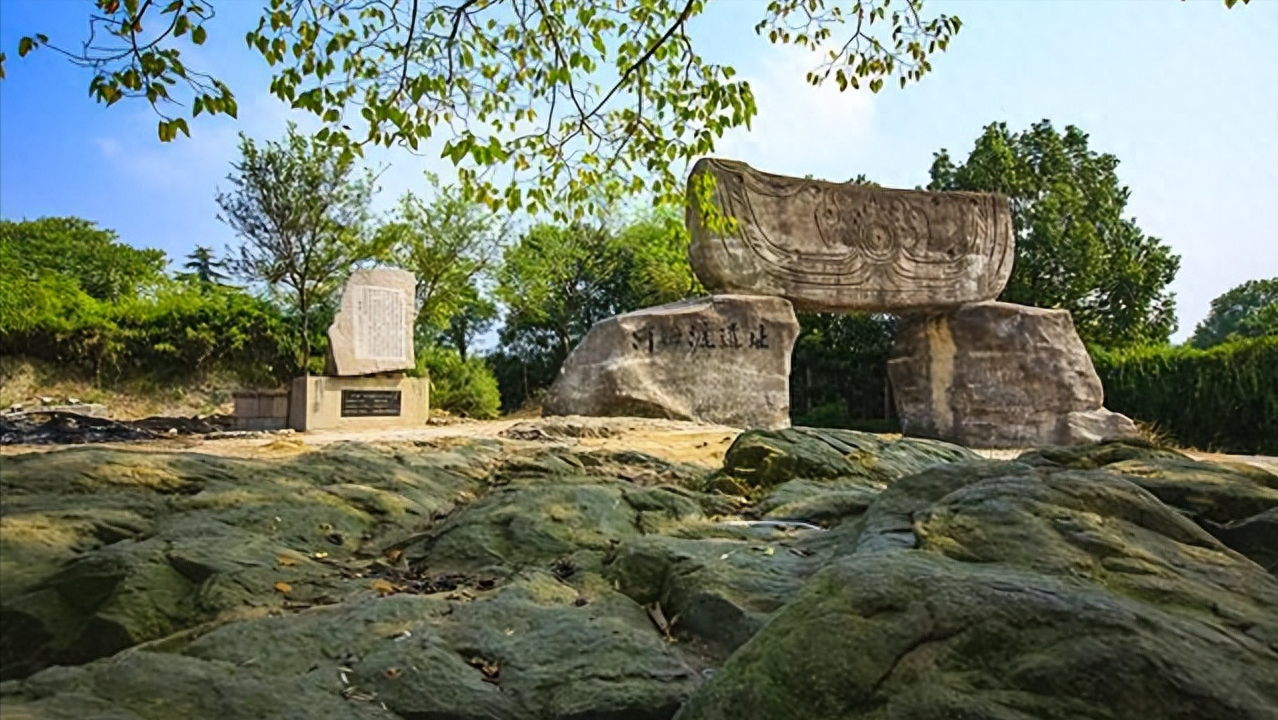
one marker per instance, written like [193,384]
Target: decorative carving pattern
[837,246]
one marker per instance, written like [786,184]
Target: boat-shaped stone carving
[837,247]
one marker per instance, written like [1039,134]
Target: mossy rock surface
[766,458]
[1004,590]
[1236,502]
[821,574]
[104,549]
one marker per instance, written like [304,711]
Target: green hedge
[176,332]
[1224,398]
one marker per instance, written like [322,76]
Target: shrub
[836,415]
[462,387]
[1223,398]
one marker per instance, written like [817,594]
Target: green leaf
[25,45]
[198,35]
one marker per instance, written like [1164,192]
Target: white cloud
[801,129]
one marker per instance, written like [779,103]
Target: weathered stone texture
[722,359]
[839,247]
[999,375]
[373,330]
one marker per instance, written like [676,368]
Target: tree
[572,98]
[135,321]
[205,269]
[300,212]
[474,316]
[1248,310]
[559,280]
[74,248]
[651,252]
[1074,248]
[448,244]
[555,283]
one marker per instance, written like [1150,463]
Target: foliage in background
[139,322]
[203,267]
[1074,248]
[1224,398]
[450,245]
[838,375]
[475,315]
[572,100]
[80,251]
[557,281]
[301,213]
[460,386]
[1248,310]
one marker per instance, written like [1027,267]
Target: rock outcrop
[1005,590]
[816,574]
[832,247]
[723,359]
[996,374]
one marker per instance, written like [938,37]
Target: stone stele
[722,359]
[835,247]
[996,374]
[373,330]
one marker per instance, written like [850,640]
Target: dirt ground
[24,382]
[671,440]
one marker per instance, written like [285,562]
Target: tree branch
[683,17]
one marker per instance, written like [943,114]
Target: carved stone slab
[996,374]
[373,330]
[723,359]
[841,247]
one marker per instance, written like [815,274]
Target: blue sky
[1184,93]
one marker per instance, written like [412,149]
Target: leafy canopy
[1248,310]
[73,295]
[544,104]
[559,280]
[92,257]
[449,244]
[1074,248]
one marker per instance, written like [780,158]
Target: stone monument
[838,247]
[965,369]
[724,359]
[370,345]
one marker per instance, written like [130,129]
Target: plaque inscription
[371,403]
[379,323]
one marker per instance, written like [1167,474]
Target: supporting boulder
[996,374]
[721,359]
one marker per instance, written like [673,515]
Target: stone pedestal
[355,403]
[723,359]
[996,374]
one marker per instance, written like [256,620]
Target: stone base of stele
[323,402]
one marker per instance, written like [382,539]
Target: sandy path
[667,439]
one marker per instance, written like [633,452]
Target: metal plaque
[371,403]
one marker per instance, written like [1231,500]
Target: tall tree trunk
[303,306]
